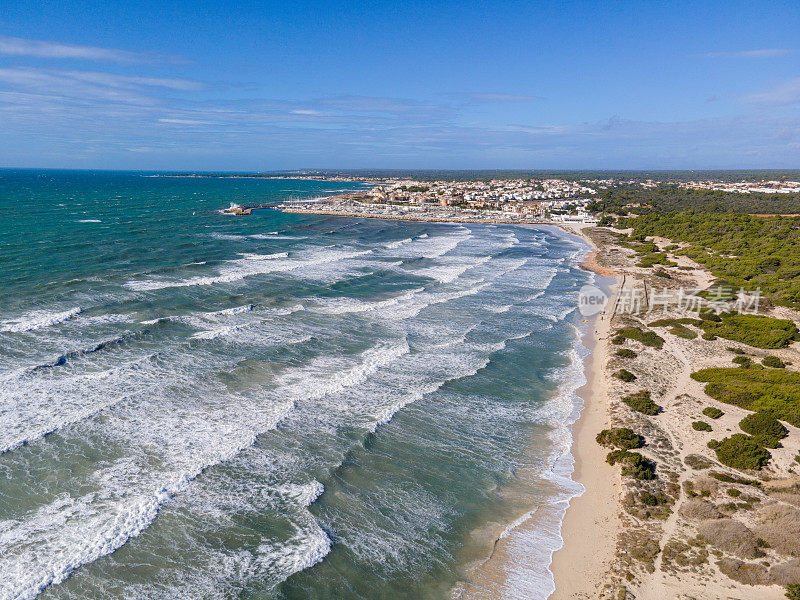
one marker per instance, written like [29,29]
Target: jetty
[243,211]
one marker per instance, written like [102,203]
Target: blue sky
[263,85]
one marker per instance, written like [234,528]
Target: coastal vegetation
[741,250]
[754,330]
[678,326]
[620,437]
[712,412]
[648,338]
[633,464]
[626,353]
[624,199]
[740,451]
[774,391]
[625,375]
[701,426]
[642,402]
[773,362]
[764,428]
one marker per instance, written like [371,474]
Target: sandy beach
[591,524]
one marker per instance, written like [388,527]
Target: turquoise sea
[279,406]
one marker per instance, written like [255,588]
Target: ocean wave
[249,256]
[499,309]
[398,243]
[67,533]
[236,270]
[37,320]
[302,387]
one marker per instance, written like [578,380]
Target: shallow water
[279,406]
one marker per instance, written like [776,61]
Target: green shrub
[633,464]
[734,493]
[776,391]
[701,426]
[683,332]
[707,314]
[648,338]
[643,403]
[724,477]
[741,451]
[765,428]
[625,375]
[735,350]
[754,330]
[773,362]
[649,499]
[626,353]
[742,360]
[620,437]
[712,412]
[678,326]
[793,591]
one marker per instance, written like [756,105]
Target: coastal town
[517,200]
[497,200]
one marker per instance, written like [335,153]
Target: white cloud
[12,46]
[787,92]
[91,85]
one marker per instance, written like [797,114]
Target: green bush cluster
[712,412]
[657,201]
[741,451]
[649,499]
[620,437]
[773,362]
[642,402]
[724,477]
[742,361]
[633,464]
[753,330]
[655,258]
[678,326]
[625,375]
[775,391]
[648,338]
[626,353]
[793,591]
[764,428]
[701,426]
[741,249]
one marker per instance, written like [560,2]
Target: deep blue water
[194,405]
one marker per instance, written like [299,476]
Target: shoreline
[591,522]
[590,512]
[590,525]
[421,218]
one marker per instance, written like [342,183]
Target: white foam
[37,320]
[398,243]
[89,221]
[499,309]
[70,532]
[273,256]
[236,270]
[301,386]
